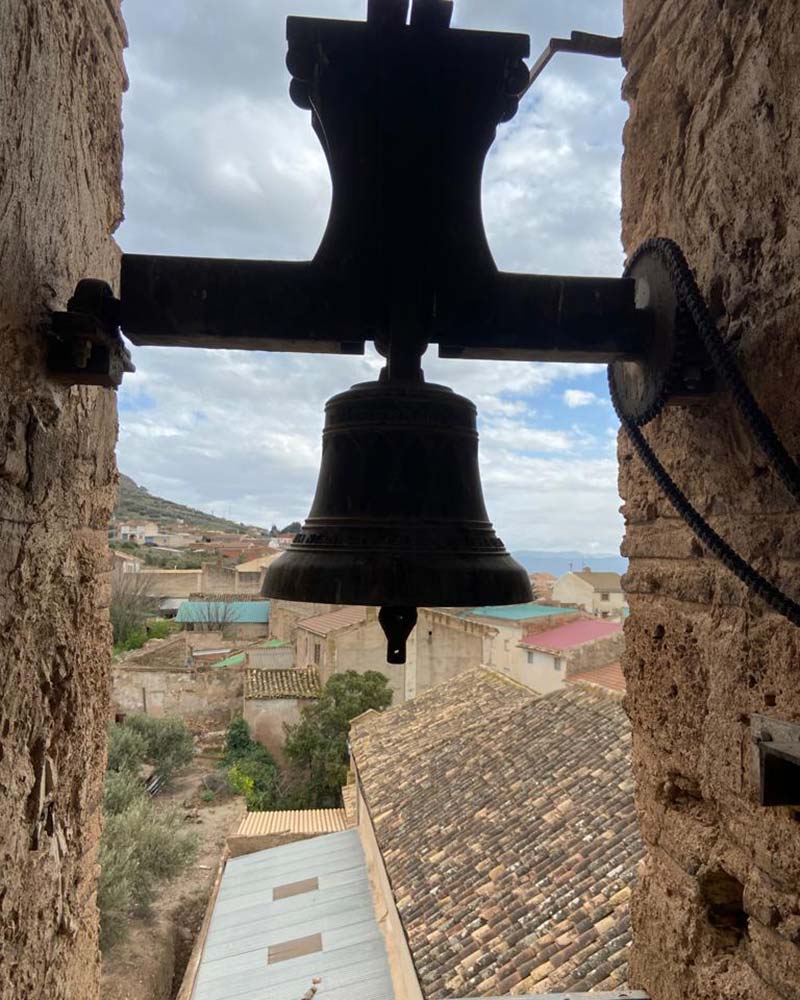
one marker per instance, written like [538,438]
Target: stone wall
[446,646]
[61,77]
[712,160]
[267,717]
[206,697]
[589,655]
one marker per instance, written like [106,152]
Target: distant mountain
[559,563]
[135,503]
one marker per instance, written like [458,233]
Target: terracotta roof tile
[609,676]
[508,830]
[331,621]
[289,683]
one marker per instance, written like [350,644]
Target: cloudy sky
[220,163]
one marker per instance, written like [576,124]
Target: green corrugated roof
[230,661]
[516,612]
[230,613]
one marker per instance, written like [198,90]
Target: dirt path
[149,964]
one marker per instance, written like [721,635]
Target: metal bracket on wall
[84,345]
[582,43]
[776,760]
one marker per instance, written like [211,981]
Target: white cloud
[579,397]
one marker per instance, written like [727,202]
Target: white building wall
[543,672]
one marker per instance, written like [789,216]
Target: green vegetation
[252,771]
[141,846]
[159,558]
[168,743]
[134,503]
[317,745]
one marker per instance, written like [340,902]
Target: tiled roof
[608,676]
[572,634]
[300,821]
[289,683]
[332,621]
[508,830]
[516,612]
[224,612]
[611,582]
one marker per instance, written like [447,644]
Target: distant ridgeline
[559,563]
[134,503]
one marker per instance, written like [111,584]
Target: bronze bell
[398,518]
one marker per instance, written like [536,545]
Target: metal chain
[721,358]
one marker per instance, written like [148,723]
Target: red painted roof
[573,634]
[609,676]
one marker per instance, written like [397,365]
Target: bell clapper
[397,624]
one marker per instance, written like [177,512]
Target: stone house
[285,615]
[249,575]
[596,593]
[511,623]
[140,534]
[171,677]
[440,646]
[551,657]
[124,562]
[274,698]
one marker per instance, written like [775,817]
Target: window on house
[557,664]
[530,657]
[316,653]
[605,597]
[506,644]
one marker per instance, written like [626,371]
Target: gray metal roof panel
[246,921]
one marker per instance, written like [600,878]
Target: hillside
[135,503]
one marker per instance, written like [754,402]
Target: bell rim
[416,579]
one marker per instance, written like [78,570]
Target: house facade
[596,593]
[551,657]
[441,646]
[511,623]
[274,698]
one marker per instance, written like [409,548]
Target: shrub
[252,771]
[238,742]
[119,867]
[122,790]
[168,743]
[317,744]
[160,628]
[258,780]
[207,795]
[127,749]
[140,848]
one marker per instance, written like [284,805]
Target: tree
[214,615]
[130,608]
[317,745]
